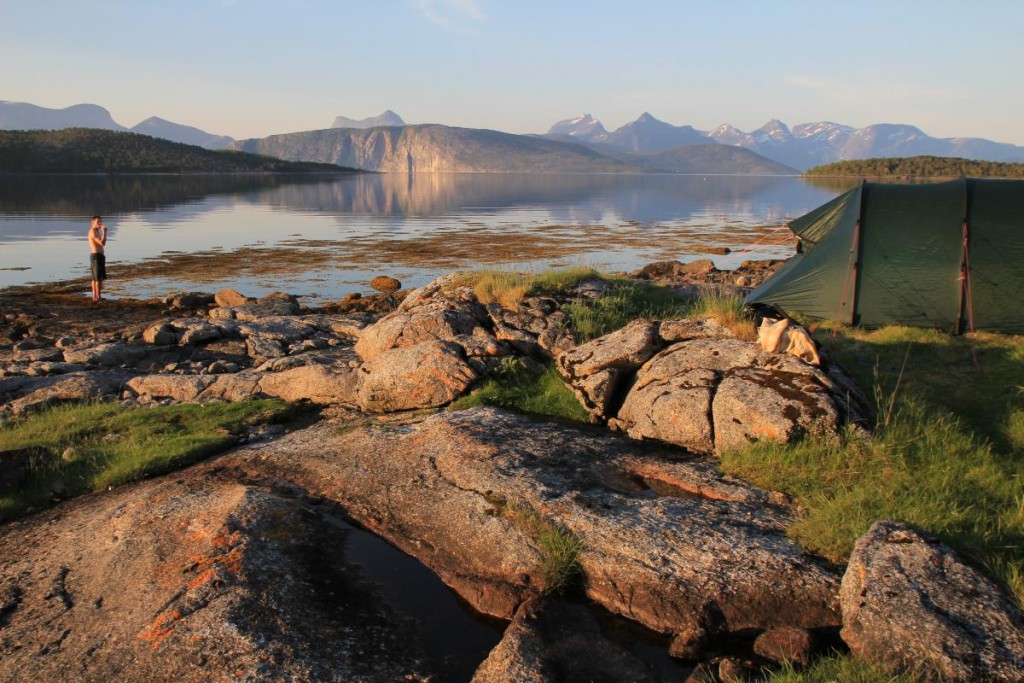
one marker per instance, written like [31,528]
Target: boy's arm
[101,241]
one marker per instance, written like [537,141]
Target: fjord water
[323,237]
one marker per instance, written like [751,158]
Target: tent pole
[966,295]
[852,267]
[851,277]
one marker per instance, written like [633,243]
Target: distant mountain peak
[774,125]
[582,118]
[388,118]
[26,116]
[583,127]
[176,132]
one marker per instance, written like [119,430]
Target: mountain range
[802,147]
[644,144]
[433,148]
[25,116]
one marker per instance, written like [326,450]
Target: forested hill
[919,167]
[91,150]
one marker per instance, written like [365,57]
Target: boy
[97,259]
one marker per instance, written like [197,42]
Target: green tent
[946,255]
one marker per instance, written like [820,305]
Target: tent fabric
[897,254]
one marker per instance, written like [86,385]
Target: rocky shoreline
[226,564]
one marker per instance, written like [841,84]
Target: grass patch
[516,388]
[105,445]
[561,549]
[838,669]
[508,287]
[946,456]
[624,300]
[727,308]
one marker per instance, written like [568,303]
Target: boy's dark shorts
[98,264]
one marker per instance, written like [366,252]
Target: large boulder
[598,370]
[192,578]
[689,383]
[437,319]
[670,544]
[446,330]
[426,375]
[909,602]
[323,384]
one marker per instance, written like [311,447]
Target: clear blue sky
[250,68]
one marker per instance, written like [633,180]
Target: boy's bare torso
[97,238]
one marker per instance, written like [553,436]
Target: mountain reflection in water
[325,236]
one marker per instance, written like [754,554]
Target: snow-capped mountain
[727,134]
[388,118]
[891,140]
[645,134]
[824,142]
[583,127]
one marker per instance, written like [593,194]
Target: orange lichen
[161,628]
[225,557]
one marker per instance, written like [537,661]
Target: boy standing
[97,259]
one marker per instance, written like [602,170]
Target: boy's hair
[97,218]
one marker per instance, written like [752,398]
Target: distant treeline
[91,150]
[919,167]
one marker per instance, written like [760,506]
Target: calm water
[324,237]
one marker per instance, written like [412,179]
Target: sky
[252,68]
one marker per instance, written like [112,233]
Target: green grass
[508,287]
[105,445]
[626,300]
[560,548]
[946,457]
[514,387]
[838,669]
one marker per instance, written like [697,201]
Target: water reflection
[328,232]
[84,194]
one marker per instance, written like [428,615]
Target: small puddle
[644,644]
[456,638]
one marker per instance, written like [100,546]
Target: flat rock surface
[191,578]
[667,543]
